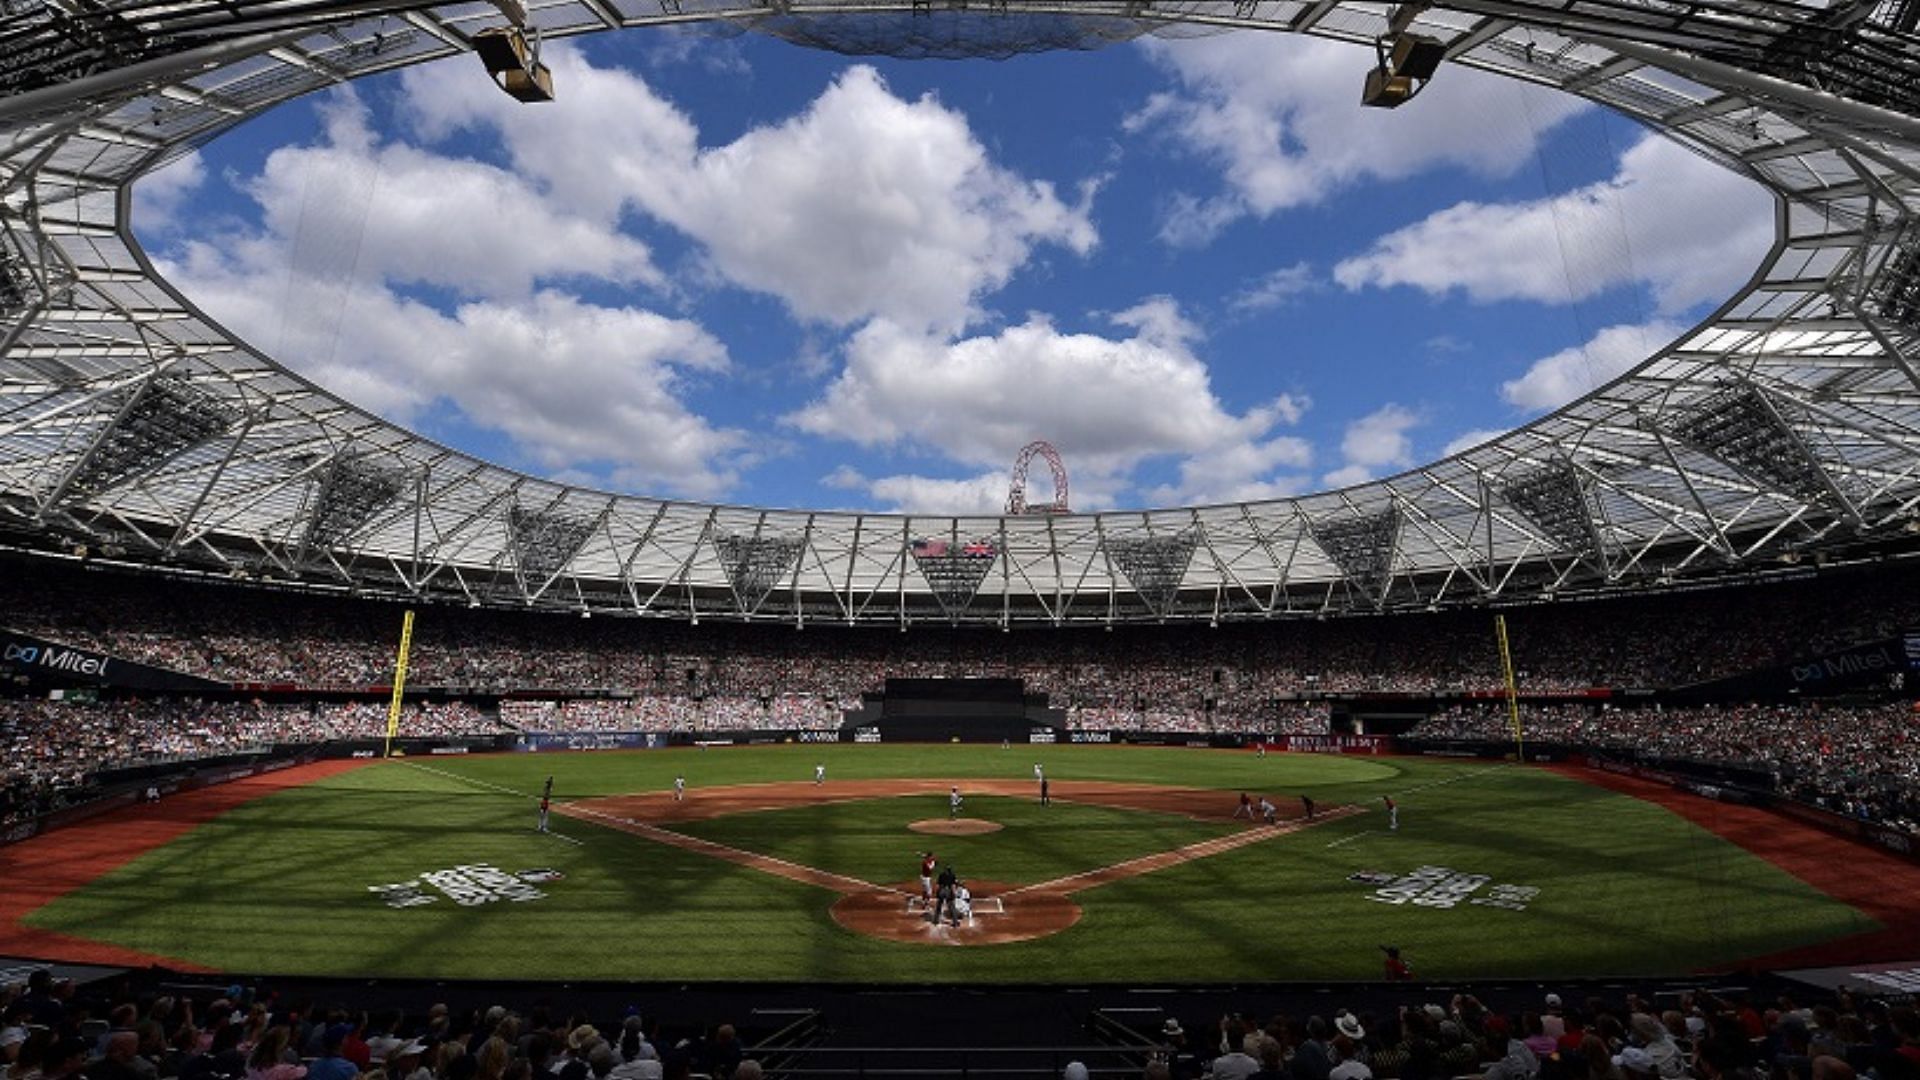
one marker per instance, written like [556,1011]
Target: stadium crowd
[1862,762]
[51,1030]
[238,633]
[49,748]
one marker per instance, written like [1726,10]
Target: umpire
[943,899]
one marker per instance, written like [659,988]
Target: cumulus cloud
[908,493]
[1467,440]
[575,385]
[160,194]
[1375,442]
[1109,403]
[1280,117]
[1552,381]
[1685,227]
[864,205]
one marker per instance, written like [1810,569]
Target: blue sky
[735,269]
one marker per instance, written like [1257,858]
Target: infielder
[1393,812]
[953,803]
[820,774]
[1268,812]
[546,801]
[679,789]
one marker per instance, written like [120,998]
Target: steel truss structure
[134,428]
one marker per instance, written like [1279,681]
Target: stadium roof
[1788,423]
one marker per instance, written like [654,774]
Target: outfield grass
[281,885]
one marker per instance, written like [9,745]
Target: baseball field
[1139,871]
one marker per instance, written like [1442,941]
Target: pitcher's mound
[965,826]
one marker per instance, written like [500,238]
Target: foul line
[493,787]
[766,864]
[1160,860]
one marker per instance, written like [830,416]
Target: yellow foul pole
[1513,693]
[399,681]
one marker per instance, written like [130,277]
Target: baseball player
[962,905]
[953,803]
[1306,803]
[1393,812]
[1045,798]
[546,802]
[926,880]
[943,897]
[820,774]
[1268,812]
[679,789]
[1246,807]
[1260,748]
[1038,772]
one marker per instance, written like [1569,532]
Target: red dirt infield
[965,826]
[44,868]
[1028,911]
[1876,882]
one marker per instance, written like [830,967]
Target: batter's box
[982,905]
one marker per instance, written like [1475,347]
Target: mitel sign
[48,657]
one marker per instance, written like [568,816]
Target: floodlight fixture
[514,63]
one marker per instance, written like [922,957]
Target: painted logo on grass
[1443,887]
[469,885]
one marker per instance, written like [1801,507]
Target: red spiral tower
[1017,492]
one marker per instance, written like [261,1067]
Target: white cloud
[1275,288]
[1689,229]
[1467,440]
[907,493]
[159,194]
[1376,441]
[356,206]
[1281,117]
[578,387]
[1109,403]
[864,205]
[1552,381]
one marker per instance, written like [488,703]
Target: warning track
[882,911]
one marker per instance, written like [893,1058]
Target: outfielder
[820,774]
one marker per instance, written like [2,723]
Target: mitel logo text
[55,657]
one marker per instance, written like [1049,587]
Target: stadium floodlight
[162,418]
[1555,501]
[514,63]
[544,542]
[354,489]
[1404,61]
[1741,426]
[1154,565]
[755,565]
[1894,293]
[954,570]
[1362,546]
